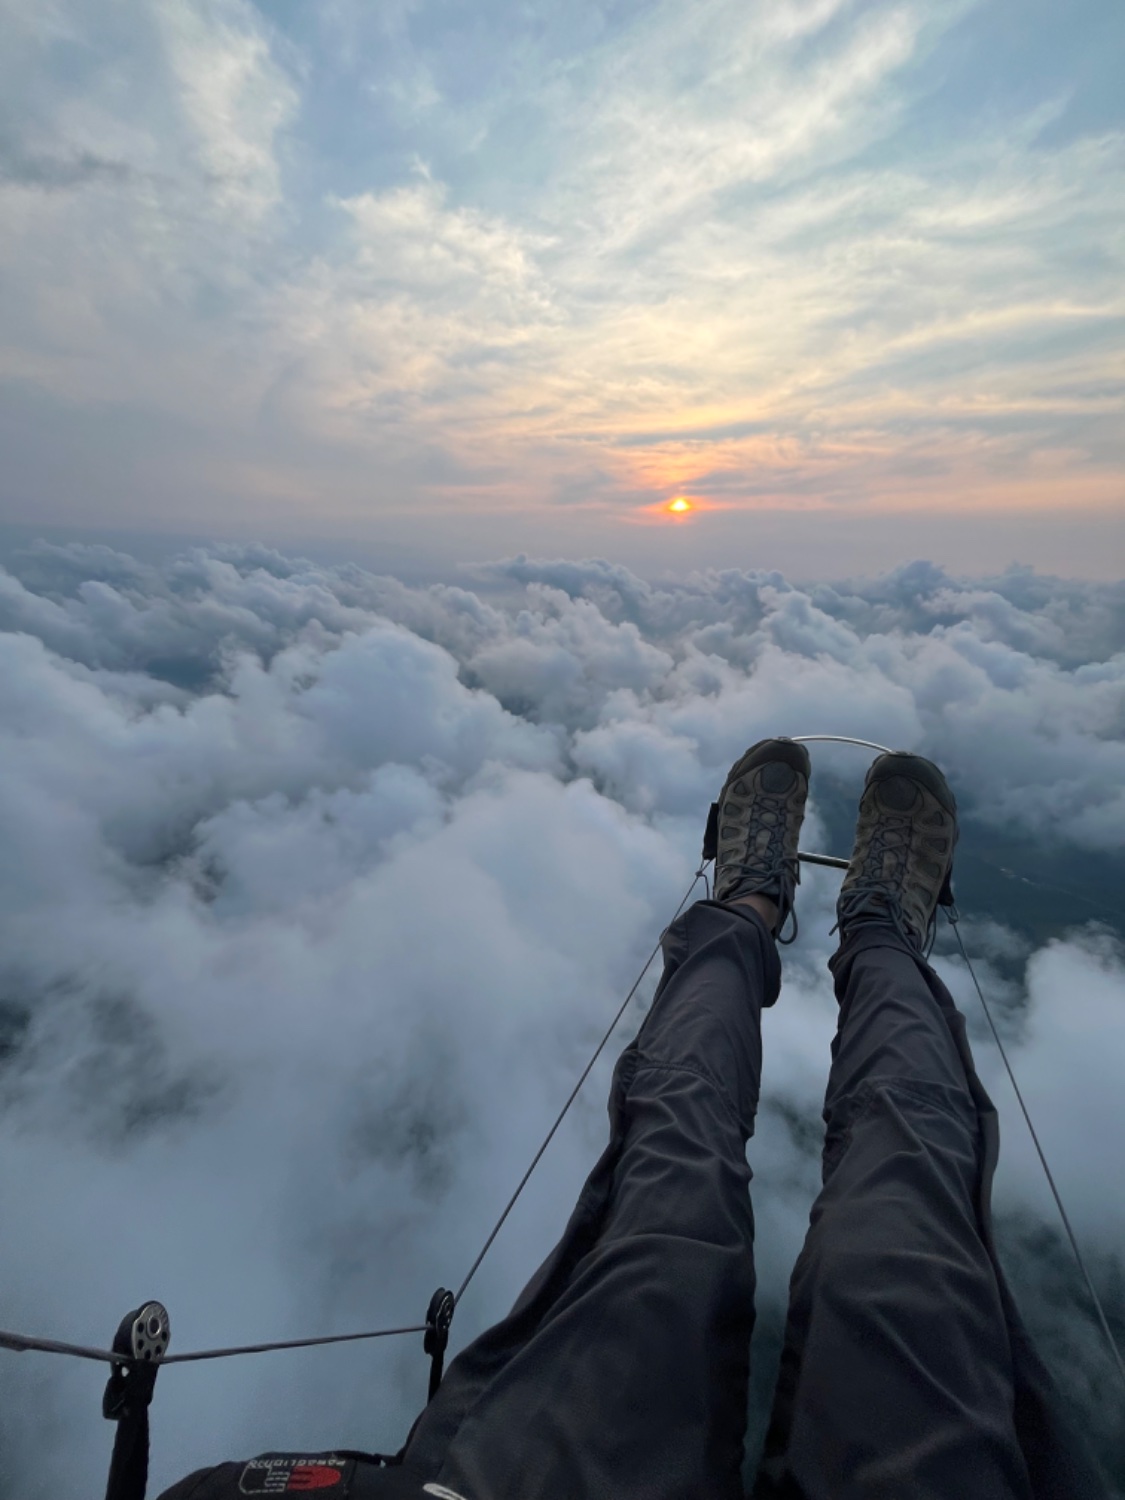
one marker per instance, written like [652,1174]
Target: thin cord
[1097,1301]
[331,1338]
[586,1071]
[22,1342]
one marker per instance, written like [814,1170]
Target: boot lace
[771,867]
[876,893]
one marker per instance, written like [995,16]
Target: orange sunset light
[680,509]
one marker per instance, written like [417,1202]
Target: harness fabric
[334,1476]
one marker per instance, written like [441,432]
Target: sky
[317,889]
[433,282]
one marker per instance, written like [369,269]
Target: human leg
[897,1373]
[623,1368]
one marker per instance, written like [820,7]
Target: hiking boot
[753,829]
[903,858]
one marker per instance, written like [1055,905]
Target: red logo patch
[296,1474]
[308,1477]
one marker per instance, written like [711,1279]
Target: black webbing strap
[711,835]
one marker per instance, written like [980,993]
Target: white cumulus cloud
[317,890]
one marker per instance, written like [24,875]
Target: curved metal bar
[831,861]
[840,739]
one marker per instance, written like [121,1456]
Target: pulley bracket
[439,1315]
[142,1341]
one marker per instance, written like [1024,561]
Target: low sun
[680,505]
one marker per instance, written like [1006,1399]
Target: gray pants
[622,1371]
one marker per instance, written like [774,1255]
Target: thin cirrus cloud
[317,891]
[365,265]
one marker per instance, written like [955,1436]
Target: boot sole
[914,768]
[766,752]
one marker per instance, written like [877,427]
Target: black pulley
[439,1315]
[142,1341]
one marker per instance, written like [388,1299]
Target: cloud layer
[317,889]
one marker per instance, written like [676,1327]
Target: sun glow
[680,510]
